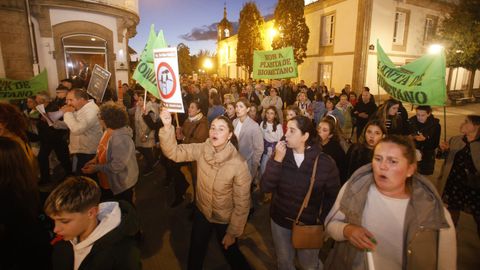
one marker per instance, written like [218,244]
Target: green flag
[145,72]
[420,82]
[21,89]
[274,64]
[148,47]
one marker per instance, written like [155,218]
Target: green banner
[145,72]
[420,82]
[21,89]
[275,64]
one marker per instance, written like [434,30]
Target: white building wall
[45,50]
[476,83]
[382,28]
[343,45]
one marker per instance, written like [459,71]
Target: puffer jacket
[290,184]
[429,235]
[223,180]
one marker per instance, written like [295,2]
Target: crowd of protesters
[370,166]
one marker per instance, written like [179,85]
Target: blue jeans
[282,240]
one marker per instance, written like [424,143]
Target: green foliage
[292,29]
[184,59]
[460,34]
[249,35]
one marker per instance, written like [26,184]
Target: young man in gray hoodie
[91,235]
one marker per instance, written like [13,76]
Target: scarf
[197,117]
[102,157]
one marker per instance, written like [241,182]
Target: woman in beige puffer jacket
[222,191]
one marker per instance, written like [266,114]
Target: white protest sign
[168,81]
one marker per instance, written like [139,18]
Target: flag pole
[444,123]
[145,99]
[176,119]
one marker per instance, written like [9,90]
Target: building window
[429,29]
[227,33]
[328,30]
[82,53]
[325,73]
[399,28]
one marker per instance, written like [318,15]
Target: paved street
[167,230]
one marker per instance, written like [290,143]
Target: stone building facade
[64,33]
[343,35]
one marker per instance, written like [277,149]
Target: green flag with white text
[21,89]
[145,72]
[420,82]
[274,64]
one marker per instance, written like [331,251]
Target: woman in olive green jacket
[222,190]
[388,209]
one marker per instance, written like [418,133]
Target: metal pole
[445,123]
[32,39]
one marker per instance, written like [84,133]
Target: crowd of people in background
[372,181]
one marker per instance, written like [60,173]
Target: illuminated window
[325,73]
[82,52]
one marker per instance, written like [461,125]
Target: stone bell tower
[224,28]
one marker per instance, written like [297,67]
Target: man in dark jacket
[91,235]
[425,130]
[51,138]
[363,111]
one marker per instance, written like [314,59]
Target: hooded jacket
[223,180]
[121,166]
[110,246]
[429,236]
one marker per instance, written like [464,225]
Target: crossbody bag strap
[309,192]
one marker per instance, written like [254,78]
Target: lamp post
[207,64]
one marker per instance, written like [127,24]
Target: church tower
[224,27]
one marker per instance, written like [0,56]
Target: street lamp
[435,49]
[272,32]
[207,63]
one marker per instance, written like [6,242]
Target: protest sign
[274,64]
[145,72]
[168,82]
[420,82]
[21,89]
[98,82]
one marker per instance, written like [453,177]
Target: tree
[249,35]
[184,59]
[292,29]
[460,34]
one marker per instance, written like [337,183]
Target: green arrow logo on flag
[145,72]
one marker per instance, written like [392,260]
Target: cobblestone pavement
[167,231]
